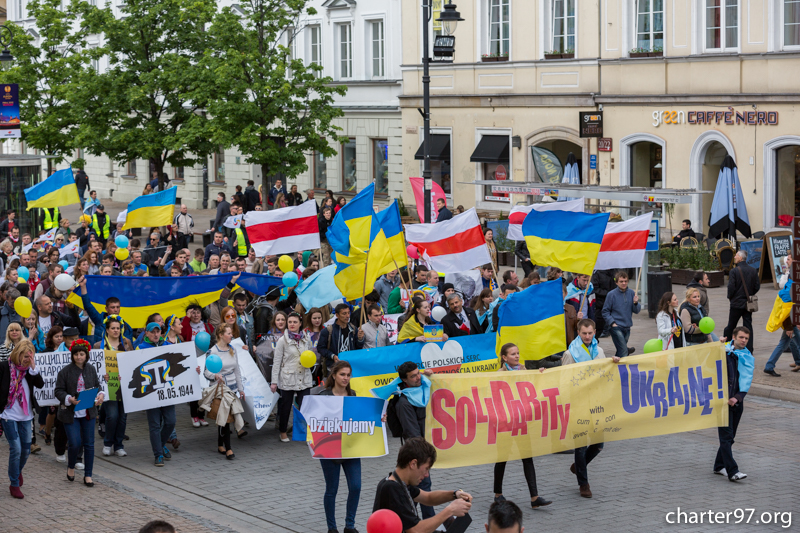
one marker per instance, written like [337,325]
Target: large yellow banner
[503,416]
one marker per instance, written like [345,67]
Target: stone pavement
[274,487]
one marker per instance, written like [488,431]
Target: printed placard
[51,363]
[158,377]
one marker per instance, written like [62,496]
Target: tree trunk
[49,167]
[265,187]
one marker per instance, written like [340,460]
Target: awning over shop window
[491,149]
[440,148]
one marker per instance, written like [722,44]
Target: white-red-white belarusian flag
[283,231]
[518,213]
[454,245]
[624,243]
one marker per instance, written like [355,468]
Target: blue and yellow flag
[564,239]
[349,233]
[142,296]
[534,320]
[154,209]
[58,190]
[389,219]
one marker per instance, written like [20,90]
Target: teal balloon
[23,272]
[290,279]
[64,264]
[121,241]
[202,340]
[706,324]
[653,345]
[213,363]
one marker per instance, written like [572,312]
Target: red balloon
[412,251]
[384,521]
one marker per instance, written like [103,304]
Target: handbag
[752,301]
[215,403]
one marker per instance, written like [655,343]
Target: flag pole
[364,287]
[399,273]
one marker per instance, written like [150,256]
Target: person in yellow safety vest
[52,218]
[101,221]
[242,244]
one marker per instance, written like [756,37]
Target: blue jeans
[80,434]
[18,435]
[160,434]
[778,351]
[620,337]
[81,192]
[352,471]
[426,510]
[116,422]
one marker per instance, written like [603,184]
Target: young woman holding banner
[18,377]
[338,384]
[288,375]
[509,358]
[229,375]
[116,418]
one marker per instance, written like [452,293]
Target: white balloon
[438,313]
[64,282]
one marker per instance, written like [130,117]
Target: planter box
[489,59]
[655,54]
[505,58]
[552,56]
[638,54]
[681,276]
[567,56]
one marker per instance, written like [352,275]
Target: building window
[787,170]
[320,171]
[315,46]
[650,25]
[722,24]
[177,173]
[646,165]
[380,165]
[131,170]
[20,9]
[499,27]
[378,50]
[219,165]
[95,62]
[563,26]
[499,172]
[791,23]
[345,51]
[348,156]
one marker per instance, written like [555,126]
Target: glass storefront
[380,168]
[348,156]
[13,182]
[320,171]
[787,169]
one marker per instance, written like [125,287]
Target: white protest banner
[233,222]
[69,249]
[390,321]
[50,364]
[258,397]
[158,377]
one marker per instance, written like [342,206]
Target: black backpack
[392,420]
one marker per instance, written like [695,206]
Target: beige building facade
[675,84]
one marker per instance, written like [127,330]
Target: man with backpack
[340,337]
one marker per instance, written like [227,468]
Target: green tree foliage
[49,70]
[275,109]
[147,105]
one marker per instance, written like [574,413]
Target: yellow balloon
[23,307]
[286,264]
[21,280]
[308,359]
[122,254]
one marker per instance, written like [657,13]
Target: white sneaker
[203,422]
[196,422]
[79,466]
[721,472]
[121,453]
[107,450]
[61,458]
[738,476]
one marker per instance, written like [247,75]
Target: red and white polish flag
[454,245]
[283,231]
[624,243]
[519,212]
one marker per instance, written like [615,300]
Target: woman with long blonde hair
[229,375]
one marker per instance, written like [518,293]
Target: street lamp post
[449,18]
[5,40]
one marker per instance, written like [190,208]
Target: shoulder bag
[752,301]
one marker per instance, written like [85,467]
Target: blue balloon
[64,264]
[121,241]
[290,279]
[23,272]
[213,363]
[202,340]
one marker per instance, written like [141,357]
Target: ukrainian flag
[58,190]
[154,209]
[534,320]
[142,296]
[389,219]
[564,239]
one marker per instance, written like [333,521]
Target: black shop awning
[491,149]
[440,148]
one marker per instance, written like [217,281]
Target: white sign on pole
[158,377]
[50,364]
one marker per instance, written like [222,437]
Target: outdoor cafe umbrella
[571,176]
[728,212]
